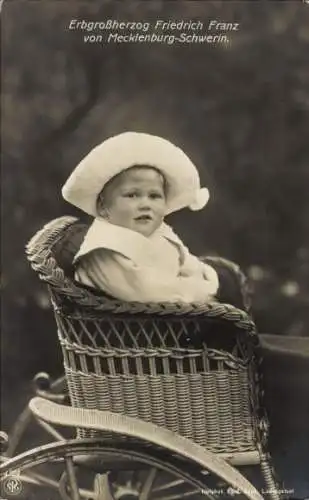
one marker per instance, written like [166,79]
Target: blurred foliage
[239,110]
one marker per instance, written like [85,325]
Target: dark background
[240,111]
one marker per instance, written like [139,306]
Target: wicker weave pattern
[212,409]
[202,394]
[189,368]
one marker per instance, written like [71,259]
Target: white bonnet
[122,151]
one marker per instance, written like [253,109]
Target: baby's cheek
[126,205]
[162,210]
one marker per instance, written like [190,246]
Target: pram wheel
[92,471]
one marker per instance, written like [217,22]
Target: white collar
[129,243]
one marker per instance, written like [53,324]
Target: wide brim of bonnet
[121,152]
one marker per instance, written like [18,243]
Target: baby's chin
[145,229]
[145,232]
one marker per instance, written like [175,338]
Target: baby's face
[135,199]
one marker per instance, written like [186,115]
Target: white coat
[132,267]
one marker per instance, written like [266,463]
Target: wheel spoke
[51,430]
[18,430]
[62,487]
[147,486]
[39,479]
[166,486]
[175,490]
[72,479]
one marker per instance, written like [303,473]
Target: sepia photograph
[155,250]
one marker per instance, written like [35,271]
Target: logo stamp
[11,486]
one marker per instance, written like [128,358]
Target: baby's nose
[145,203]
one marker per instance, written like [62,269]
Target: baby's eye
[156,196]
[130,195]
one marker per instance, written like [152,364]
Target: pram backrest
[66,246]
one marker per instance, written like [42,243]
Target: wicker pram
[192,369]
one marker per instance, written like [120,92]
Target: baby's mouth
[144,217]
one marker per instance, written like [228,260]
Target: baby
[129,183]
